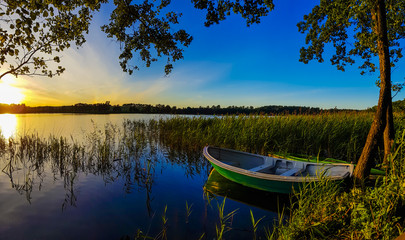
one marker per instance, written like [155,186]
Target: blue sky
[226,64]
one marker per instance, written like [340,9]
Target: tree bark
[383,118]
[389,134]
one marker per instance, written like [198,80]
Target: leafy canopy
[32,31]
[141,26]
[350,26]
[148,27]
[251,10]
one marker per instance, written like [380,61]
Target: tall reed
[225,220]
[340,135]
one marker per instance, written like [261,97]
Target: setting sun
[10,94]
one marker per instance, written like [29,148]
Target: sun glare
[10,94]
[8,125]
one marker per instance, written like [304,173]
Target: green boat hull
[258,183]
[271,174]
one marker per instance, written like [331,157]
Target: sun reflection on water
[8,125]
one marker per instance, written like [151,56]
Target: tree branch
[24,62]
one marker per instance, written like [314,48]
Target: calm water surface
[62,198]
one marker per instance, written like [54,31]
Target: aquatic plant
[254,224]
[225,220]
[339,135]
[188,211]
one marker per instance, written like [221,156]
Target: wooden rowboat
[271,173]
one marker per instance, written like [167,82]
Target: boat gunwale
[273,177]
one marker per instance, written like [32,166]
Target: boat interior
[276,166]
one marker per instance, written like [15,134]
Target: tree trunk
[389,134]
[383,118]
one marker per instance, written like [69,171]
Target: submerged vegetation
[128,152]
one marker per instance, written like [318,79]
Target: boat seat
[261,167]
[292,172]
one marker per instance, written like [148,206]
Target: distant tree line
[397,106]
[107,108]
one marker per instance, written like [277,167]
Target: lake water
[82,197]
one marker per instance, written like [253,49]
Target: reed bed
[111,151]
[340,136]
[130,152]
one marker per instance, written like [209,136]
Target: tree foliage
[149,28]
[32,31]
[142,27]
[217,11]
[349,25]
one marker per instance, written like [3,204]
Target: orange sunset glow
[10,94]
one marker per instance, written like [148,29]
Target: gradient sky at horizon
[226,64]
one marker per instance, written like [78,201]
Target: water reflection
[8,125]
[220,186]
[116,178]
[129,154]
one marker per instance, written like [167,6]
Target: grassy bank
[324,211]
